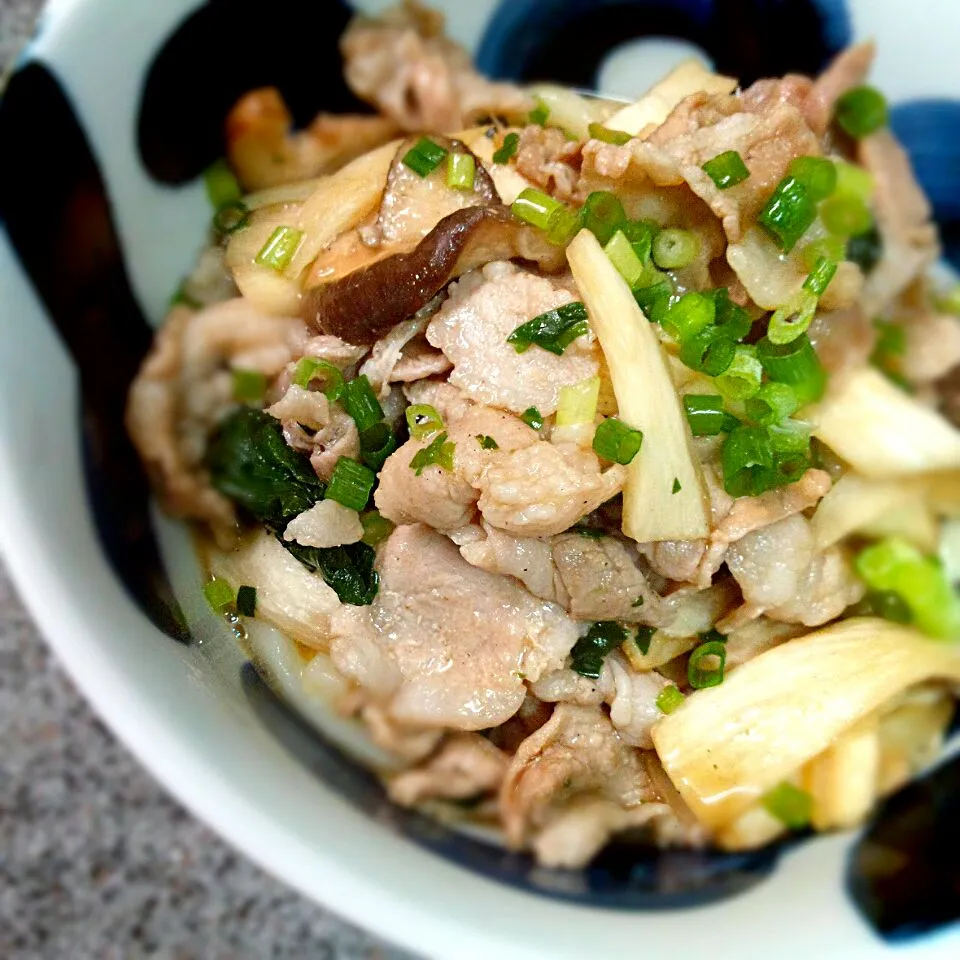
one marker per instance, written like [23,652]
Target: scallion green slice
[747,458]
[726,170]
[793,318]
[424,157]
[218,595]
[669,698]
[788,213]
[690,315]
[423,420]
[743,377]
[790,805]
[439,452]
[820,276]
[623,256]
[773,403]
[706,664]
[603,215]
[351,484]
[461,170]
[533,418]
[361,403]
[817,174]
[706,415]
[795,363]
[376,444]
[599,132]
[614,440]
[223,188]
[674,249]
[280,248]
[862,111]
[309,369]
[536,208]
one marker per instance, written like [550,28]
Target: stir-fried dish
[597,458]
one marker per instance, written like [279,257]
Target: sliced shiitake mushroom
[363,305]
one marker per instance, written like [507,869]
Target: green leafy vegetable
[533,418]
[251,464]
[348,569]
[554,330]
[589,652]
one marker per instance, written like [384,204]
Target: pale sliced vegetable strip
[659,101]
[727,746]
[881,431]
[664,497]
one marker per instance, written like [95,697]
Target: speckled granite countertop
[95,860]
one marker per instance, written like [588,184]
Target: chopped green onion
[590,651]
[788,213]
[790,805]
[486,442]
[223,188]
[615,441]
[820,276]
[602,214]
[669,698]
[424,157]
[831,248]
[817,174]
[706,664]
[644,634]
[793,318]
[846,216]
[376,528]
[773,403]
[674,248]
[743,377]
[655,300]
[865,249]
[882,603]
[351,484]
[247,601]
[708,352]
[889,349]
[706,415]
[361,403]
[461,169]
[509,147]
[231,217]
[862,111]
[599,132]
[280,248]
[554,330]
[689,316]
[309,369]
[423,420]
[578,403]
[439,453]
[726,170]
[539,114]
[641,234]
[795,363]
[748,462]
[376,444]
[623,256]
[218,595]
[564,226]
[854,181]
[535,207]
[897,566]
[790,442]
[533,418]
[591,533]
[249,386]
[677,486]
[733,322]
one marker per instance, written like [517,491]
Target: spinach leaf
[348,569]
[250,462]
[590,651]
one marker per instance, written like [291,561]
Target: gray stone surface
[95,860]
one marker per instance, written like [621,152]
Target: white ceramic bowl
[91,103]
